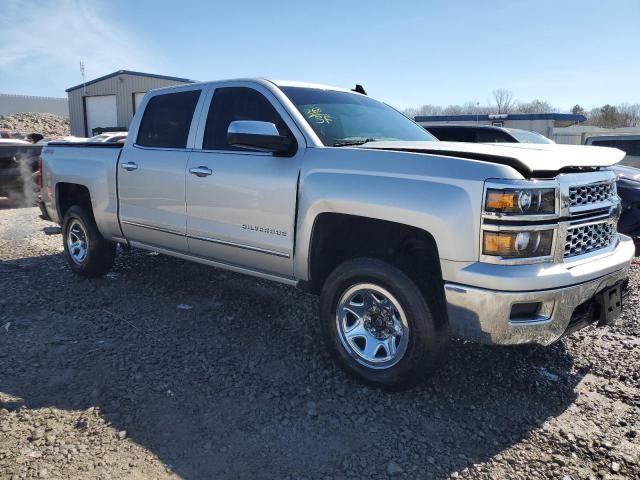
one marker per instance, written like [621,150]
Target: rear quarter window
[604,143]
[453,134]
[630,147]
[167,120]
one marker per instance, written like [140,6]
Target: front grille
[588,238]
[584,195]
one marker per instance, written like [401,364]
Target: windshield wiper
[353,143]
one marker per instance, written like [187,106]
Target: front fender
[449,210]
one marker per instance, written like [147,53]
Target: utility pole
[84,87]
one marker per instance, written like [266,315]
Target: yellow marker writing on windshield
[318,115]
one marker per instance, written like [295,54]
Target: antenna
[84,88]
[359,89]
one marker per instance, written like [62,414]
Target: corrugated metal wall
[10,104]
[123,86]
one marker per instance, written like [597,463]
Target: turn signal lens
[501,201]
[524,244]
[533,201]
[496,243]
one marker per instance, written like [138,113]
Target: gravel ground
[168,369]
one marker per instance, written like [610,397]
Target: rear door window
[167,120]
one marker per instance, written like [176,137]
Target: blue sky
[406,53]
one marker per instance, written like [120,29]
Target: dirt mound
[47,124]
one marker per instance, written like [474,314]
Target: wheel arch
[70,194]
[413,250]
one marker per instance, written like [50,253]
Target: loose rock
[393,469]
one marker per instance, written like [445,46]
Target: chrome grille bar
[589,237]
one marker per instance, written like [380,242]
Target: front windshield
[343,118]
[523,136]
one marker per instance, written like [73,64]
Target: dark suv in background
[628,183]
[484,134]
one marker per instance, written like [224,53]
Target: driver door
[241,203]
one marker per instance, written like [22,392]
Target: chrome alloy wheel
[77,242]
[372,326]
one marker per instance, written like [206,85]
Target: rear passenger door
[151,171]
[242,212]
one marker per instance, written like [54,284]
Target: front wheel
[87,252]
[378,325]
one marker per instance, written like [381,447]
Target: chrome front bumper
[485,315]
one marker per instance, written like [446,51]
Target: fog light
[525,244]
[524,311]
[522,241]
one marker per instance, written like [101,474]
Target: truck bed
[90,165]
[85,144]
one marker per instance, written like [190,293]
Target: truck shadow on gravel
[225,376]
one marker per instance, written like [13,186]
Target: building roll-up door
[137,98]
[101,112]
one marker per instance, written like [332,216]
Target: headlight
[526,201]
[517,244]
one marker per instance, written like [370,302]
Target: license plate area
[610,302]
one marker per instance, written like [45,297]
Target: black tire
[99,253]
[427,338]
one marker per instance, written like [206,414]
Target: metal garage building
[110,101]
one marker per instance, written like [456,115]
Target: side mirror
[255,135]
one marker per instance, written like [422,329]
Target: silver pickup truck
[409,241]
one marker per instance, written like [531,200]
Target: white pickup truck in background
[408,240]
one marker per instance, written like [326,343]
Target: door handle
[200,171]
[130,166]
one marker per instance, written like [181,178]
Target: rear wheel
[378,325]
[87,252]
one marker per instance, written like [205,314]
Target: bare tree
[608,116]
[623,115]
[409,112]
[471,108]
[423,110]
[504,99]
[534,106]
[453,110]
[632,113]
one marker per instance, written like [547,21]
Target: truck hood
[526,158]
